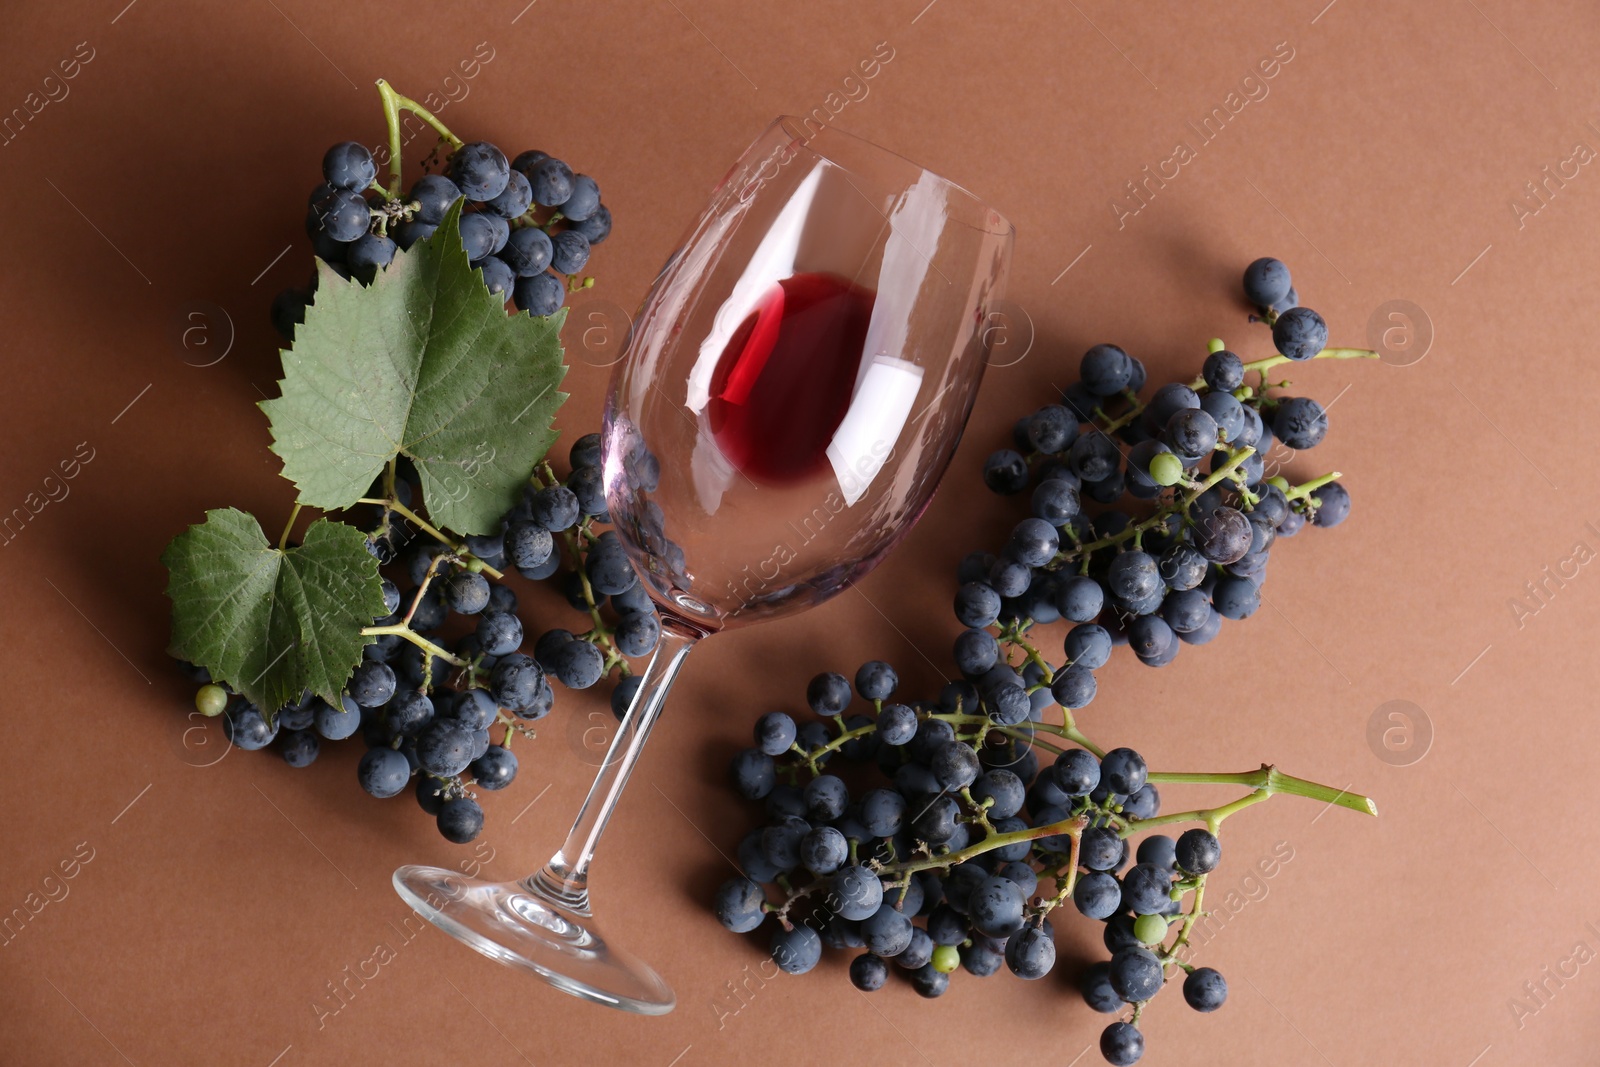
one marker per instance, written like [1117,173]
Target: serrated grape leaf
[423,362]
[272,623]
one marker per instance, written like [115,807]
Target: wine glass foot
[525,928]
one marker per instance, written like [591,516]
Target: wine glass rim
[998,224]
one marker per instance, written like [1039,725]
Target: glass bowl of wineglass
[795,385]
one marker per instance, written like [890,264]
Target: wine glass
[796,383]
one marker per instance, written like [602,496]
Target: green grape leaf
[424,362]
[271,622]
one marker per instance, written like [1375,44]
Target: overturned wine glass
[795,385]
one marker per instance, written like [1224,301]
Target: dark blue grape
[597,227]
[868,973]
[1106,370]
[466,593]
[1222,536]
[1052,428]
[444,747]
[1097,895]
[1030,953]
[826,798]
[499,633]
[498,278]
[1266,281]
[1088,645]
[738,905]
[514,682]
[495,768]
[299,748]
[1235,598]
[480,171]
[929,982]
[1004,788]
[883,812]
[775,732]
[515,199]
[1158,850]
[383,772]
[955,765]
[460,820]
[551,180]
[341,214]
[823,850]
[1191,432]
[937,823]
[370,252]
[753,774]
[348,165]
[1097,991]
[828,693]
[1300,423]
[1123,770]
[897,724]
[637,633]
[578,664]
[337,723]
[411,231]
[1076,772]
[1223,371]
[1198,851]
[1073,687]
[1332,505]
[539,295]
[876,680]
[887,931]
[569,252]
[527,251]
[1146,889]
[1006,472]
[372,685]
[433,194]
[483,234]
[855,892]
[1205,989]
[1135,974]
[1300,333]
[1121,1044]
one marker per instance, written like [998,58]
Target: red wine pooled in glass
[785,380]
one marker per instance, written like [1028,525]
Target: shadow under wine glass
[796,383]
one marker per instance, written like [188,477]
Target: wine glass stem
[565,878]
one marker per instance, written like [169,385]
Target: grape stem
[1073,826]
[288,527]
[392,503]
[1137,406]
[393,104]
[401,630]
[1085,551]
[1269,780]
[1263,365]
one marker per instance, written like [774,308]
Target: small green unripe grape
[1150,929]
[1244,392]
[946,958]
[1215,345]
[1280,481]
[475,565]
[1166,468]
[210,700]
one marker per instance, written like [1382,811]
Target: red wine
[786,377]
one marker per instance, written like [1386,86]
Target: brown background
[1382,166]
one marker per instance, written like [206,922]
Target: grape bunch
[528,223]
[1200,452]
[990,809]
[446,684]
